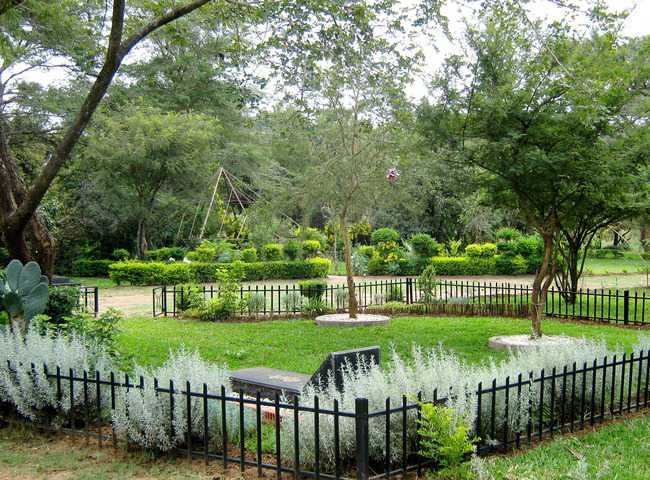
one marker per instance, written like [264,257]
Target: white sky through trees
[435,45]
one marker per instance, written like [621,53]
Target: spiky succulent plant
[23,290]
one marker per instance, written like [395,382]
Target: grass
[101,282]
[301,346]
[619,451]
[28,454]
[631,263]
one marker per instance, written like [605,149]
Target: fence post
[163,304]
[362,436]
[626,306]
[96,301]
[408,291]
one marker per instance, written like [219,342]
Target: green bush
[606,253]
[292,249]
[158,273]
[310,248]
[506,248]
[191,298]
[207,251]
[508,234]
[485,250]
[312,288]
[271,252]
[165,253]
[529,246]
[427,283]
[249,255]
[453,247]
[464,265]
[228,303]
[367,251]
[120,254]
[424,246]
[85,267]
[313,307]
[511,265]
[384,235]
[61,302]
[5,258]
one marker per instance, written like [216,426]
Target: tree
[138,155]
[546,115]
[354,77]
[18,204]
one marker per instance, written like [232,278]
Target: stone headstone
[335,361]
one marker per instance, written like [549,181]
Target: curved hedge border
[158,273]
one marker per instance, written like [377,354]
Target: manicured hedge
[157,273]
[464,265]
[91,268]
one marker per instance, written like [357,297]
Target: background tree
[141,154]
[542,112]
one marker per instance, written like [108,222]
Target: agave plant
[23,291]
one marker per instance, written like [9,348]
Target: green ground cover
[617,451]
[300,345]
[630,263]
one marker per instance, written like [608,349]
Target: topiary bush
[311,248]
[249,255]
[312,288]
[165,253]
[508,234]
[384,235]
[271,252]
[367,251]
[120,254]
[511,265]
[484,250]
[424,245]
[464,265]
[291,250]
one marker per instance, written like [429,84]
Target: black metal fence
[630,307]
[509,413]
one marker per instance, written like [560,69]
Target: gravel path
[138,300]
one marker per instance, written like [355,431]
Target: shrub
[427,282]
[511,265]
[255,303]
[367,251]
[312,288]
[395,294]
[342,298]
[292,249]
[384,235]
[359,264]
[156,273]
[207,251]
[310,248]
[508,234]
[424,246]
[292,302]
[271,252]
[528,246]
[506,248]
[444,439]
[165,253]
[453,247]
[189,297]
[464,265]
[85,267]
[249,255]
[485,250]
[314,306]
[227,303]
[61,302]
[120,254]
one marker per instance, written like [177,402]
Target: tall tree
[544,112]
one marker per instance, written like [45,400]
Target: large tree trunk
[141,247]
[541,283]
[353,307]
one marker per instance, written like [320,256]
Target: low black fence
[630,307]
[366,443]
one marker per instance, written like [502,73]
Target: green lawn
[300,345]
[619,451]
[631,263]
[101,282]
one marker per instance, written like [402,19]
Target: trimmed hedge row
[499,265]
[85,267]
[157,273]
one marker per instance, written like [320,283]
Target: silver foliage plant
[144,416]
[24,358]
[454,380]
